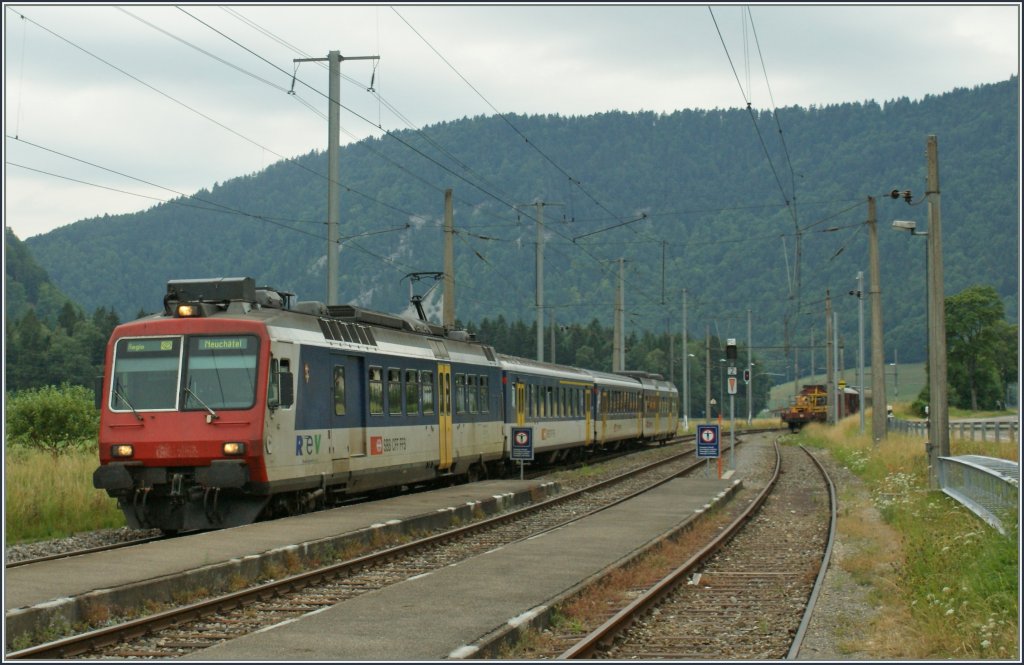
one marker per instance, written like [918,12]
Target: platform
[65,590]
[460,611]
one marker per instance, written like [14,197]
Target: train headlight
[122,450]
[233,449]
[188,310]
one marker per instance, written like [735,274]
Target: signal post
[730,356]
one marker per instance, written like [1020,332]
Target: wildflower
[985,644]
[950,611]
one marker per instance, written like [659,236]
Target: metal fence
[988,486]
[994,431]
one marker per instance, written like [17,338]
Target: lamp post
[896,370]
[860,351]
[938,413]
[686,389]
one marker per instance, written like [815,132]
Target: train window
[274,384]
[412,392]
[376,391]
[485,396]
[394,391]
[460,393]
[529,400]
[427,389]
[220,373]
[548,405]
[146,374]
[472,393]
[339,390]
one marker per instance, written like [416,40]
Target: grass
[948,586]
[49,497]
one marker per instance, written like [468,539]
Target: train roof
[544,368]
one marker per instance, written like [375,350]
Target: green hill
[689,199]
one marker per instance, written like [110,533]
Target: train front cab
[181,421]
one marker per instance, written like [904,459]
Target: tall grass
[52,497]
[955,579]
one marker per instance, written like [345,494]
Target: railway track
[179,631]
[12,561]
[746,594]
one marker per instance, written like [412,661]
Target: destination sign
[149,345]
[223,343]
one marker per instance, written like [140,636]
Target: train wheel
[475,473]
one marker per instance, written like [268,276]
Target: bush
[52,419]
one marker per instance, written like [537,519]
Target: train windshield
[219,373]
[146,374]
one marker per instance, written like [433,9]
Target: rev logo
[307,445]
[376,445]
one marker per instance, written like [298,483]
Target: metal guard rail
[988,486]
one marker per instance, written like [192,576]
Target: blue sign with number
[522,444]
[707,441]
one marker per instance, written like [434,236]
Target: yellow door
[444,410]
[589,435]
[520,404]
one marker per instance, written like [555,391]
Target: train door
[348,418]
[657,418]
[444,411]
[602,410]
[589,431]
[520,403]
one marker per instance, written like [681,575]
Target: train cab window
[376,383]
[485,395]
[427,390]
[220,373]
[339,390]
[394,391]
[460,393]
[274,384]
[412,392]
[472,393]
[146,374]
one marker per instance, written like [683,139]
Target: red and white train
[233,405]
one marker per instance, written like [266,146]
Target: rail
[995,431]
[988,486]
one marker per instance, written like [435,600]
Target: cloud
[533,59]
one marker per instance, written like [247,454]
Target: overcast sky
[186,97]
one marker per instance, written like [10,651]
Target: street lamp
[938,418]
[859,292]
[686,390]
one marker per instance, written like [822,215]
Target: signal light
[730,349]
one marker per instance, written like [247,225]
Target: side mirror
[97,391]
[287,389]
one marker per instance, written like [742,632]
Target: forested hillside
[711,201]
[48,339]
